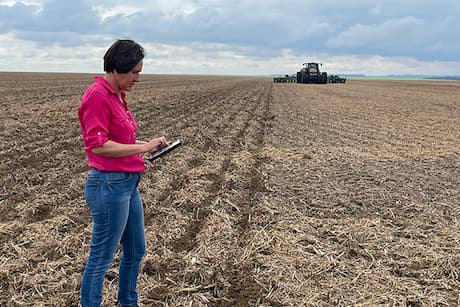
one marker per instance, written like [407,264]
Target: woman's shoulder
[96,90]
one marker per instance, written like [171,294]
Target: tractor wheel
[299,77]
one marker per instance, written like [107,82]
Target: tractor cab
[312,68]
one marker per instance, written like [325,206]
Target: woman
[114,155]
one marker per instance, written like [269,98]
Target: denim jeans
[118,217]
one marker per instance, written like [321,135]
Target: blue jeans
[118,217]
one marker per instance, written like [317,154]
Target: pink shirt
[104,116]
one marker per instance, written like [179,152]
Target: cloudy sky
[247,37]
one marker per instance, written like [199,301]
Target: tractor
[310,73]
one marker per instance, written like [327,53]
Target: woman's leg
[133,250]
[108,196]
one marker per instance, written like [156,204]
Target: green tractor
[310,73]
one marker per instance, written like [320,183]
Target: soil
[282,195]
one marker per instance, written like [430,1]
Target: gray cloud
[52,16]
[336,27]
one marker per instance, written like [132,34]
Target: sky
[235,37]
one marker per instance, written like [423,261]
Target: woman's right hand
[155,144]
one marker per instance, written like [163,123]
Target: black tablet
[171,146]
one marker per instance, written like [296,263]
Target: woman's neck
[110,77]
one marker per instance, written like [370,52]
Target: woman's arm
[116,150]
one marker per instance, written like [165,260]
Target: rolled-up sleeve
[94,119]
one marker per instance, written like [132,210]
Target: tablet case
[170,147]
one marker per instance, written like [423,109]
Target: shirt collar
[108,86]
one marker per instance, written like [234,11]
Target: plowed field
[282,195]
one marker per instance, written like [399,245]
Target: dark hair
[123,56]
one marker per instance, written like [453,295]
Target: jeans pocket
[91,189]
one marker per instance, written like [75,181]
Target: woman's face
[126,80]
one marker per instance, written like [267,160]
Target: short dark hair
[123,56]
